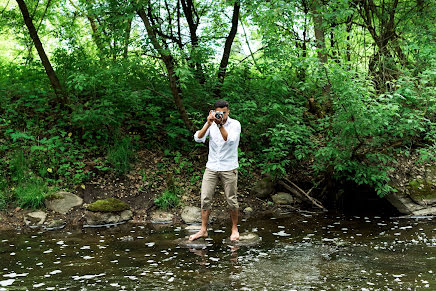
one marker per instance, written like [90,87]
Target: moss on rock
[422,189]
[108,205]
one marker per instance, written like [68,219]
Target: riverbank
[154,172]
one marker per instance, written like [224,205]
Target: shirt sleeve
[203,139]
[234,132]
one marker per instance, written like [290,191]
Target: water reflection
[296,252]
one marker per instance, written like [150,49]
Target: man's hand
[211,117]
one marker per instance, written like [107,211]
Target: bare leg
[203,231]
[235,232]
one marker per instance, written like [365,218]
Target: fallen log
[301,193]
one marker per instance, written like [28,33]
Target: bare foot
[198,235]
[235,235]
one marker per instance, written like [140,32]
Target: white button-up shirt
[223,154]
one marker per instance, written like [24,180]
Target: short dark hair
[221,104]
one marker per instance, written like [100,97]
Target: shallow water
[297,251]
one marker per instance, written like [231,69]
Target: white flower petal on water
[8,282]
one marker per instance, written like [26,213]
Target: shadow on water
[297,251]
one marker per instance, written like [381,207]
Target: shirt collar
[229,120]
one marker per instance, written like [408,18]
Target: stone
[160,216]
[62,202]
[426,211]
[200,243]
[191,214]
[54,224]
[35,218]
[126,215]
[108,205]
[245,239]
[105,218]
[248,210]
[264,188]
[283,198]
[416,188]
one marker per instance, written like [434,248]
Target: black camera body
[219,114]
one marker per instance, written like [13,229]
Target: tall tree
[54,81]
[169,62]
[227,48]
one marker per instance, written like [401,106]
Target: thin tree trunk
[227,49]
[188,8]
[321,51]
[169,61]
[54,81]
[127,37]
[319,32]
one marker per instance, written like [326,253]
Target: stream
[297,251]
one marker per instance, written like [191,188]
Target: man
[222,164]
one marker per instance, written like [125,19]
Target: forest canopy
[335,89]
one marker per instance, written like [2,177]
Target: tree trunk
[188,7]
[321,51]
[127,37]
[169,61]
[227,49]
[54,81]
[319,32]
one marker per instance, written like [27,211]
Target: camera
[219,114]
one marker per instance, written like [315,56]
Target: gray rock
[64,203]
[35,218]
[105,218]
[191,214]
[126,215]
[426,211]
[245,239]
[264,188]
[54,224]
[200,243]
[160,216]
[283,198]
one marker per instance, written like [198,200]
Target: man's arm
[224,133]
[232,134]
[200,135]
[203,131]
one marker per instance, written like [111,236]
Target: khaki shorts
[230,183]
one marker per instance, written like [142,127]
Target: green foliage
[31,194]
[120,155]
[3,193]
[108,205]
[170,197]
[167,200]
[373,105]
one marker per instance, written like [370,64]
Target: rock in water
[160,216]
[191,214]
[62,202]
[283,198]
[95,219]
[245,239]
[200,243]
[54,224]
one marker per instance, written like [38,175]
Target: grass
[31,194]
[120,156]
[168,199]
